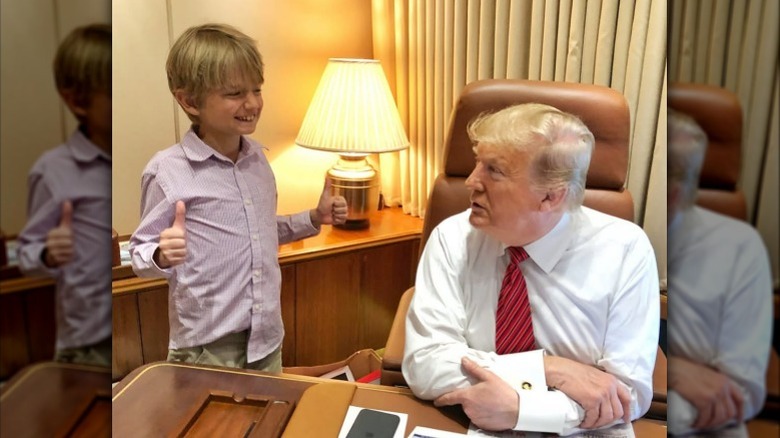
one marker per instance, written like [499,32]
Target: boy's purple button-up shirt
[231,279]
[80,172]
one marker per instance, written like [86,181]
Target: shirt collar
[548,249]
[83,150]
[196,150]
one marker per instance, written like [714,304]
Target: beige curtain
[431,49]
[734,44]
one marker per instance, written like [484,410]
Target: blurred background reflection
[723,245]
[55,182]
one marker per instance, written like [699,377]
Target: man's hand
[491,404]
[330,209]
[59,240]
[715,396]
[601,394]
[172,250]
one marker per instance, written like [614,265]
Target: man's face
[503,202]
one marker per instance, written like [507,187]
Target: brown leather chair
[719,114]
[602,109]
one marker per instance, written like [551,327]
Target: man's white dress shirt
[720,305]
[593,289]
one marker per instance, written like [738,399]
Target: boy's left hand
[331,210]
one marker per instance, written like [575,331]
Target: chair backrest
[602,109]
[719,114]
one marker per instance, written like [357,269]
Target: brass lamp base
[354,179]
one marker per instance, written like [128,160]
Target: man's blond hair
[687,145]
[206,57]
[82,64]
[559,144]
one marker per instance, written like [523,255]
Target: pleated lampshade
[353,111]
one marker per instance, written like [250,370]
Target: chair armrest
[394,349]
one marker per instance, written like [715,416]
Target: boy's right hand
[59,240]
[172,250]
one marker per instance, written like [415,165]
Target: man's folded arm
[631,339]
[743,349]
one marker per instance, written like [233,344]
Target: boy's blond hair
[82,64]
[559,143]
[204,57]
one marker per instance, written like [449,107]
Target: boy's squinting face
[231,111]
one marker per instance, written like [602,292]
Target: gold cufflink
[526,386]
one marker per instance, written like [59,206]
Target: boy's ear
[77,106]
[187,102]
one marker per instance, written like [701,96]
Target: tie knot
[517,254]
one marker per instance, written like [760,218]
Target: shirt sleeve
[743,349]
[635,309]
[539,409]
[680,414]
[435,324]
[295,227]
[43,214]
[157,214]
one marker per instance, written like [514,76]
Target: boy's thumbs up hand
[59,240]
[172,250]
[181,211]
[66,220]
[331,209]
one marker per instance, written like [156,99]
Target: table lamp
[353,114]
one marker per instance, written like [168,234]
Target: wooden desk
[54,399]
[27,321]
[339,293]
[160,400]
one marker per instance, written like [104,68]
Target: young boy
[208,208]
[68,230]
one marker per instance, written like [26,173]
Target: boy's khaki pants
[228,351]
[97,354]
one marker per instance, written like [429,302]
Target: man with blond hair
[529,290]
[720,302]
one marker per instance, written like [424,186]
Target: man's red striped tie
[514,328]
